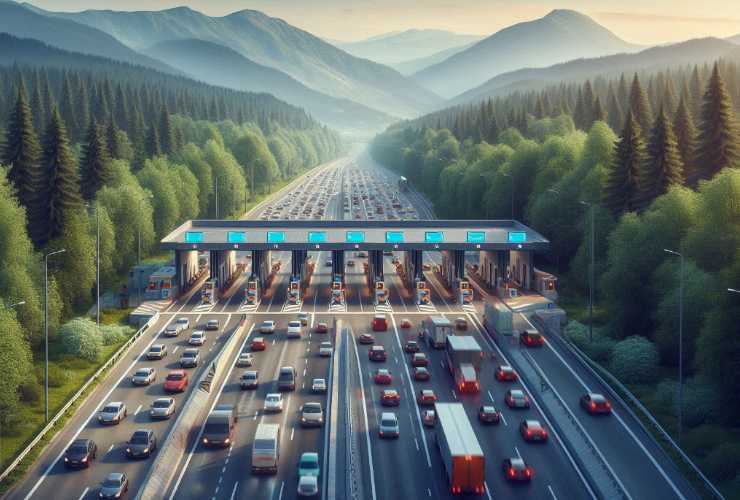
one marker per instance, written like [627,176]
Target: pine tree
[112,140]
[83,111]
[640,106]
[669,97]
[696,90]
[599,113]
[152,146]
[621,186]
[95,165]
[663,167]
[718,145]
[62,196]
[579,113]
[68,108]
[685,138]
[588,105]
[166,134]
[614,112]
[37,105]
[623,96]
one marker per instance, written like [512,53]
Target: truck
[464,357]
[435,330]
[497,318]
[462,456]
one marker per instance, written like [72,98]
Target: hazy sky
[639,21]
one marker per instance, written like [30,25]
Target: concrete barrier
[166,465]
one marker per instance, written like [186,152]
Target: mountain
[219,65]
[734,39]
[399,47]
[416,65]
[274,43]
[691,52]
[560,36]
[20,21]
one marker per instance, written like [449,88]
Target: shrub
[114,334]
[58,376]
[634,360]
[599,350]
[724,461]
[81,337]
[665,395]
[703,439]
[30,391]
[700,401]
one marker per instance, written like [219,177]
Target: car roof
[115,403]
[250,372]
[390,391]
[169,400]
[310,455]
[516,392]
[190,350]
[387,415]
[532,423]
[274,394]
[177,372]
[312,404]
[596,396]
[517,462]
[83,441]
[156,346]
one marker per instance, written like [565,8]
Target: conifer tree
[621,185]
[599,113]
[112,140]
[685,138]
[663,167]
[95,165]
[152,146]
[166,134]
[696,92]
[640,106]
[614,112]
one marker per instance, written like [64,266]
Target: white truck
[464,360]
[436,329]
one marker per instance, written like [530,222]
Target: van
[220,426]
[286,379]
[266,449]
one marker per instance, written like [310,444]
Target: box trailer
[464,359]
[436,329]
[498,318]
[462,456]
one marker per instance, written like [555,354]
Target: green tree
[640,105]
[95,166]
[635,360]
[75,268]
[685,138]
[166,132]
[152,146]
[252,153]
[621,187]
[80,337]
[192,156]
[15,358]
[156,177]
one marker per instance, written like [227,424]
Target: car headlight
[84,459]
[100,418]
[146,450]
[66,459]
[227,441]
[205,440]
[128,450]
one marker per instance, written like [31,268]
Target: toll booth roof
[355,234]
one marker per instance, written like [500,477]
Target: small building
[162,284]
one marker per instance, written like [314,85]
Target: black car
[80,453]
[142,443]
[114,485]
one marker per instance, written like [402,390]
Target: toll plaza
[505,249]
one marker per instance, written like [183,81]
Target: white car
[325,349]
[198,337]
[212,324]
[274,403]
[144,376]
[318,385]
[183,323]
[162,408]
[295,330]
[245,359]
[267,326]
[112,413]
[308,486]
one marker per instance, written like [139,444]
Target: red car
[366,338]
[390,397]
[487,414]
[380,323]
[515,470]
[322,328]
[419,359]
[596,404]
[532,431]
[426,397]
[421,374]
[259,344]
[531,339]
[506,373]
[176,381]
[405,323]
[411,346]
[383,377]
[377,353]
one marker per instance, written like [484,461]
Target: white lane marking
[453,393]
[292,431]
[516,450]
[503,419]
[549,488]
[367,426]
[84,492]
[280,495]
[429,492]
[488,491]
[233,492]
[304,372]
[111,447]
[137,410]
[197,319]
[416,441]
[175,349]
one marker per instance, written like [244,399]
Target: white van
[266,449]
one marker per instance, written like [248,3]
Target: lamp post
[138,253]
[12,306]
[216,188]
[680,342]
[591,269]
[505,174]
[46,331]
[97,263]
[732,290]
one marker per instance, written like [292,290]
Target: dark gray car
[142,443]
[114,485]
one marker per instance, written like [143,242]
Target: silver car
[144,376]
[157,351]
[268,326]
[308,486]
[162,408]
[198,337]
[189,358]
[388,427]
[183,323]
[325,349]
[274,403]
[112,413]
[245,359]
[312,415]
[114,485]
[318,385]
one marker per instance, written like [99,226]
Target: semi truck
[436,329]
[462,456]
[464,357]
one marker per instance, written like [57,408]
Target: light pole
[12,306]
[591,268]
[46,331]
[732,290]
[505,174]
[138,252]
[680,342]
[216,188]
[97,263]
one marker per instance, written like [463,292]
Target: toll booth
[337,290]
[464,292]
[413,268]
[209,292]
[422,293]
[252,292]
[294,290]
[381,294]
[162,284]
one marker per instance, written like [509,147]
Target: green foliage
[635,360]
[663,168]
[228,180]
[158,179]
[15,358]
[723,461]
[81,337]
[599,349]
[621,187]
[114,334]
[76,266]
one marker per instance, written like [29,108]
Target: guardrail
[122,351]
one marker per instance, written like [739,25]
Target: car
[245,359]
[318,385]
[350,263]
[325,349]
[115,485]
[249,380]
[162,408]
[596,404]
[308,464]
[405,323]
[112,413]
[377,353]
[429,418]
[531,338]
[419,359]
[80,453]
[426,397]
[212,324]
[515,398]
[312,415]
[390,397]
[516,470]
[321,328]
[308,486]
[156,351]
[176,381]
[172,330]
[488,414]
[388,427]
[461,323]
[383,377]
[295,330]
[366,338]
[189,358]
[532,431]
[303,318]
[198,337]
[362,255]
[183,323]
[411,346]
[380,323]
[142,444]
[144,376]
[329,263]
[505,373]
[267,326]
[286,378]
[258,344]
[274,402]
[421,374]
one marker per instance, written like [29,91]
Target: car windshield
[111,483]
[264,444]
[294,324]
[272,399]
[142,373]
[175,376]
[216,428]
[188,354]
[78,448]
[311,409]
[110,409]
[155,348]
[249,376]
[139,438]
[161,404]
[388,422]
[286,376]
[309,464]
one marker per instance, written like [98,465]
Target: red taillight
[529,433]
[527,472]
[593,405]
[512,472]
[608,405]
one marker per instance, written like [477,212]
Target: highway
[407,467]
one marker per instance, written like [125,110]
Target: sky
[637,21]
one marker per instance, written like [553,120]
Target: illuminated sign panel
[237,237]
[394,236]
[275,237]
[317,236]
[476,237]
[355,236]
[434,237]
[517,237]
[193,237]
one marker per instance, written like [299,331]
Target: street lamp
[680,342]
[591,269]
[97,263]
[149,196]
[11,306]
[505,174]
[46,331]
[732,290]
